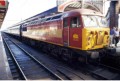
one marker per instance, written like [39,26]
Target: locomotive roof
[72,13]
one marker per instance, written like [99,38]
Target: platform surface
[5,73]
[118,47]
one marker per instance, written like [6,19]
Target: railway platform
[118,48]
[5,73]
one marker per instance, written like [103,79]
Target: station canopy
[3,10]
[67,5]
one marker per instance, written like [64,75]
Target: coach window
[24,28]
[48,19]
[75,22]
[65,23]
[56,17]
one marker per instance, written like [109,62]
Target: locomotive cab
[70,35]
[95,32]
[87,31]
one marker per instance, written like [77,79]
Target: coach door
[65,32]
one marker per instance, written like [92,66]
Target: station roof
[3,10]
[66,5]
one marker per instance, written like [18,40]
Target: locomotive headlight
[88,38]
[88,41]
[108,39]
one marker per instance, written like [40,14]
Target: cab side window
[75,22]
[65,23]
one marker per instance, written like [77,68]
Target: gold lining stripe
[56,44]
[74,47]
[44,41]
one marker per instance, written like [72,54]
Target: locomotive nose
[95,38]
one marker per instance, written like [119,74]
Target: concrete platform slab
[5,73]
[118,48]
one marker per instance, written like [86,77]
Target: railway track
[15,71]
[113,61]
[98,71]
[64,72]
[30,68]
[102,72]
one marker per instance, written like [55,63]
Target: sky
[19,10]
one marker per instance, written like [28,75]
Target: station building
[113,13]
[3,10]
[66,5]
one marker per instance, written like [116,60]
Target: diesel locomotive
[76,35]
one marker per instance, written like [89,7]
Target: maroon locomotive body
[82,30]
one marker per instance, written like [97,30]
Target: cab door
[75,32]
[65,32]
